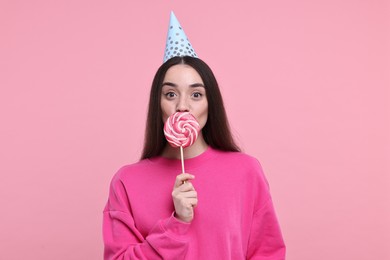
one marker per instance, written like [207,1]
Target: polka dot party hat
[177,41]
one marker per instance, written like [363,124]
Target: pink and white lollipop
[181,130]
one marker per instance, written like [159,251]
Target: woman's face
[183,91]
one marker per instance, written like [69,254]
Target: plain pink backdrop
[306,86]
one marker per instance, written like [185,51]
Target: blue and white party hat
[177,41]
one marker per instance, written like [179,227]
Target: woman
[220,209]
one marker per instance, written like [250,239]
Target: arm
[266,241]
[122,240]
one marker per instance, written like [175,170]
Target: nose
[182,105]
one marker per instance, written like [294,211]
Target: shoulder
[130,170]
[243,164]
[242,159]
[118,198]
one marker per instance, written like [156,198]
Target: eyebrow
[195,85]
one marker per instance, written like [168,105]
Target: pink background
[306,86]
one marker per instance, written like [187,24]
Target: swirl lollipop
[181,130]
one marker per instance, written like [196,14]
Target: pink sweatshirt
[234,219]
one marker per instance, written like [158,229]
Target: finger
[193,202]
[180,195]
[186,187]
[188,194]
[188,204]
[181,178]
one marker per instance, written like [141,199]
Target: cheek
[203,117]
[165,116]
[204,121]
[165,111]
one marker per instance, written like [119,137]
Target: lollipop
[181,130]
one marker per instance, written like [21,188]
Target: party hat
[177,41]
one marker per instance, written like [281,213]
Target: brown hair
[216,132]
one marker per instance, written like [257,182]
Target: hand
[184,197]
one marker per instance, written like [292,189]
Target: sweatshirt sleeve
[266,241]
[122,240]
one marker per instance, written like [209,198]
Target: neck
[194,150]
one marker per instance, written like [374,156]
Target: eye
[197,95]
[170,95]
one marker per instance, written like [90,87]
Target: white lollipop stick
[182,159]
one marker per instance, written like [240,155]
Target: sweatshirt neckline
[189,163]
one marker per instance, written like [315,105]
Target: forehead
[182,73]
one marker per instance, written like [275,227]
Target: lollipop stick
[182,159]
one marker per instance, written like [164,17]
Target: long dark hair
[216,132]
